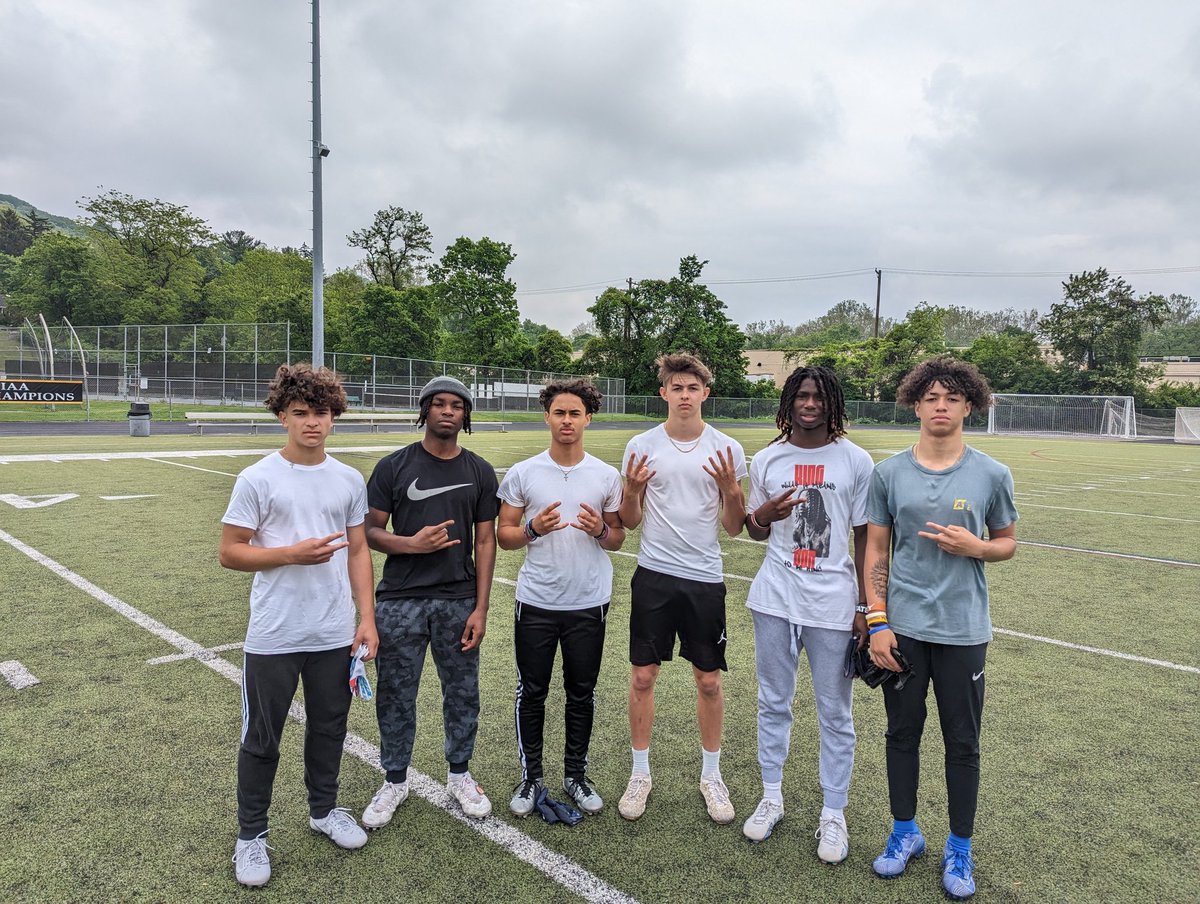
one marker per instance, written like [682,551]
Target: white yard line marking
[122,498]
[203,655]
[555,866]
[1066,508]
[1161,663]
[27,502]
[17,675]
[1114,555]
[180,464]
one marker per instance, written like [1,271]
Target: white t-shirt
[299,608]
[565,569]
[681,511]
[807,575]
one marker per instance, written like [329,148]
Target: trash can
[139,419]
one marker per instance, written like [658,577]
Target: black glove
[875,675]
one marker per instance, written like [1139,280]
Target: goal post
[1066,415]
[1187,425]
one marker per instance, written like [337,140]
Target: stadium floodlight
[1187,425]
[1067,415]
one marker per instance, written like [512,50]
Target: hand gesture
[590,521]
[723,471]
[882,644]
[317,551]
[777,508]
[548,520]
[637,475]
[476,627]
[953,539]
[367,634]
[433,538]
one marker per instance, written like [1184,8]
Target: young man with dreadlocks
[441,501]
[808,490]
[929,510]
[561,507]
[295,519]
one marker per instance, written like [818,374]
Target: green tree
[261,285]
[234,244]
[1012,361]
[1179,334]
[60,276]
[552,352]
[397,245]
[1098,328]
[477,302]
[402,323]
[150,254]
[14,233]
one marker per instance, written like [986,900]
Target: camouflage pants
[407,628]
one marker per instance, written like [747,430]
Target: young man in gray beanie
[441,501]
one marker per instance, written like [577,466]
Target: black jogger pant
[538,635]
[268,686]
[957,676]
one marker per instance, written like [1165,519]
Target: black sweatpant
[268,686]
[957,676]
[538,633]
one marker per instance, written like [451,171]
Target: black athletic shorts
[664,606]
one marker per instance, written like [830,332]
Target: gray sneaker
[251,862]
[341,828]
[525,797]
[581,791]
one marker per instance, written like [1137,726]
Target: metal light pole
[319,151]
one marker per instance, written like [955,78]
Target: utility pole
[878,287]
[319,151]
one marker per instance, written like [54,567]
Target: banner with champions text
[44,392]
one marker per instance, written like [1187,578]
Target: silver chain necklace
[566,472]
[691,443]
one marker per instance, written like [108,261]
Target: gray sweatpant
[407,628]
[777,646]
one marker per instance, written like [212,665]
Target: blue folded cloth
[360,684]
[555,810]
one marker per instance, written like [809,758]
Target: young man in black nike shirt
[441,501]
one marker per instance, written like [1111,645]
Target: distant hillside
[65,224]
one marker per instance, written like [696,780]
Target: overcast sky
[606,140]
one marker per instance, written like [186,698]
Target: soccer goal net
[1072,415]
[1187,425]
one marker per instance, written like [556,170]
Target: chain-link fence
[232,364]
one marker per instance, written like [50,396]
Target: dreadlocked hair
[831,393]
[428,403]
[957,376]
[318,388]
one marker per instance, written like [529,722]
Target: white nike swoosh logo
[976,676]
[416,494]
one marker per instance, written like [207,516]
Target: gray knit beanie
[446,384]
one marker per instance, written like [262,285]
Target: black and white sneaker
[525,796]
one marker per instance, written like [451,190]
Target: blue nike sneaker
[958,874]
[900,849]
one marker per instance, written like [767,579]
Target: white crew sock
[641,760]
[712,763]
[773,791]
[828,813]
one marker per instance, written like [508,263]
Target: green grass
[119,775]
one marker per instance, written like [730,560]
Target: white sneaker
[251,862]
[637,792]
[834,846]
[469,794]
[716,798]
[762,821]
[341,828]
[383,805]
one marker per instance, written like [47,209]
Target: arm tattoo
[879,579]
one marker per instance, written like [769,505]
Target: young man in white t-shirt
[682,483]
[561,506]
[808,490]
[295,520]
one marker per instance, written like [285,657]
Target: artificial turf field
[117,772]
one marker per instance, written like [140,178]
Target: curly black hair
[428,403]
[957,376]
[318,389]
[585,389]
[830,389]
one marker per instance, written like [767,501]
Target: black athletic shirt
[420,489]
